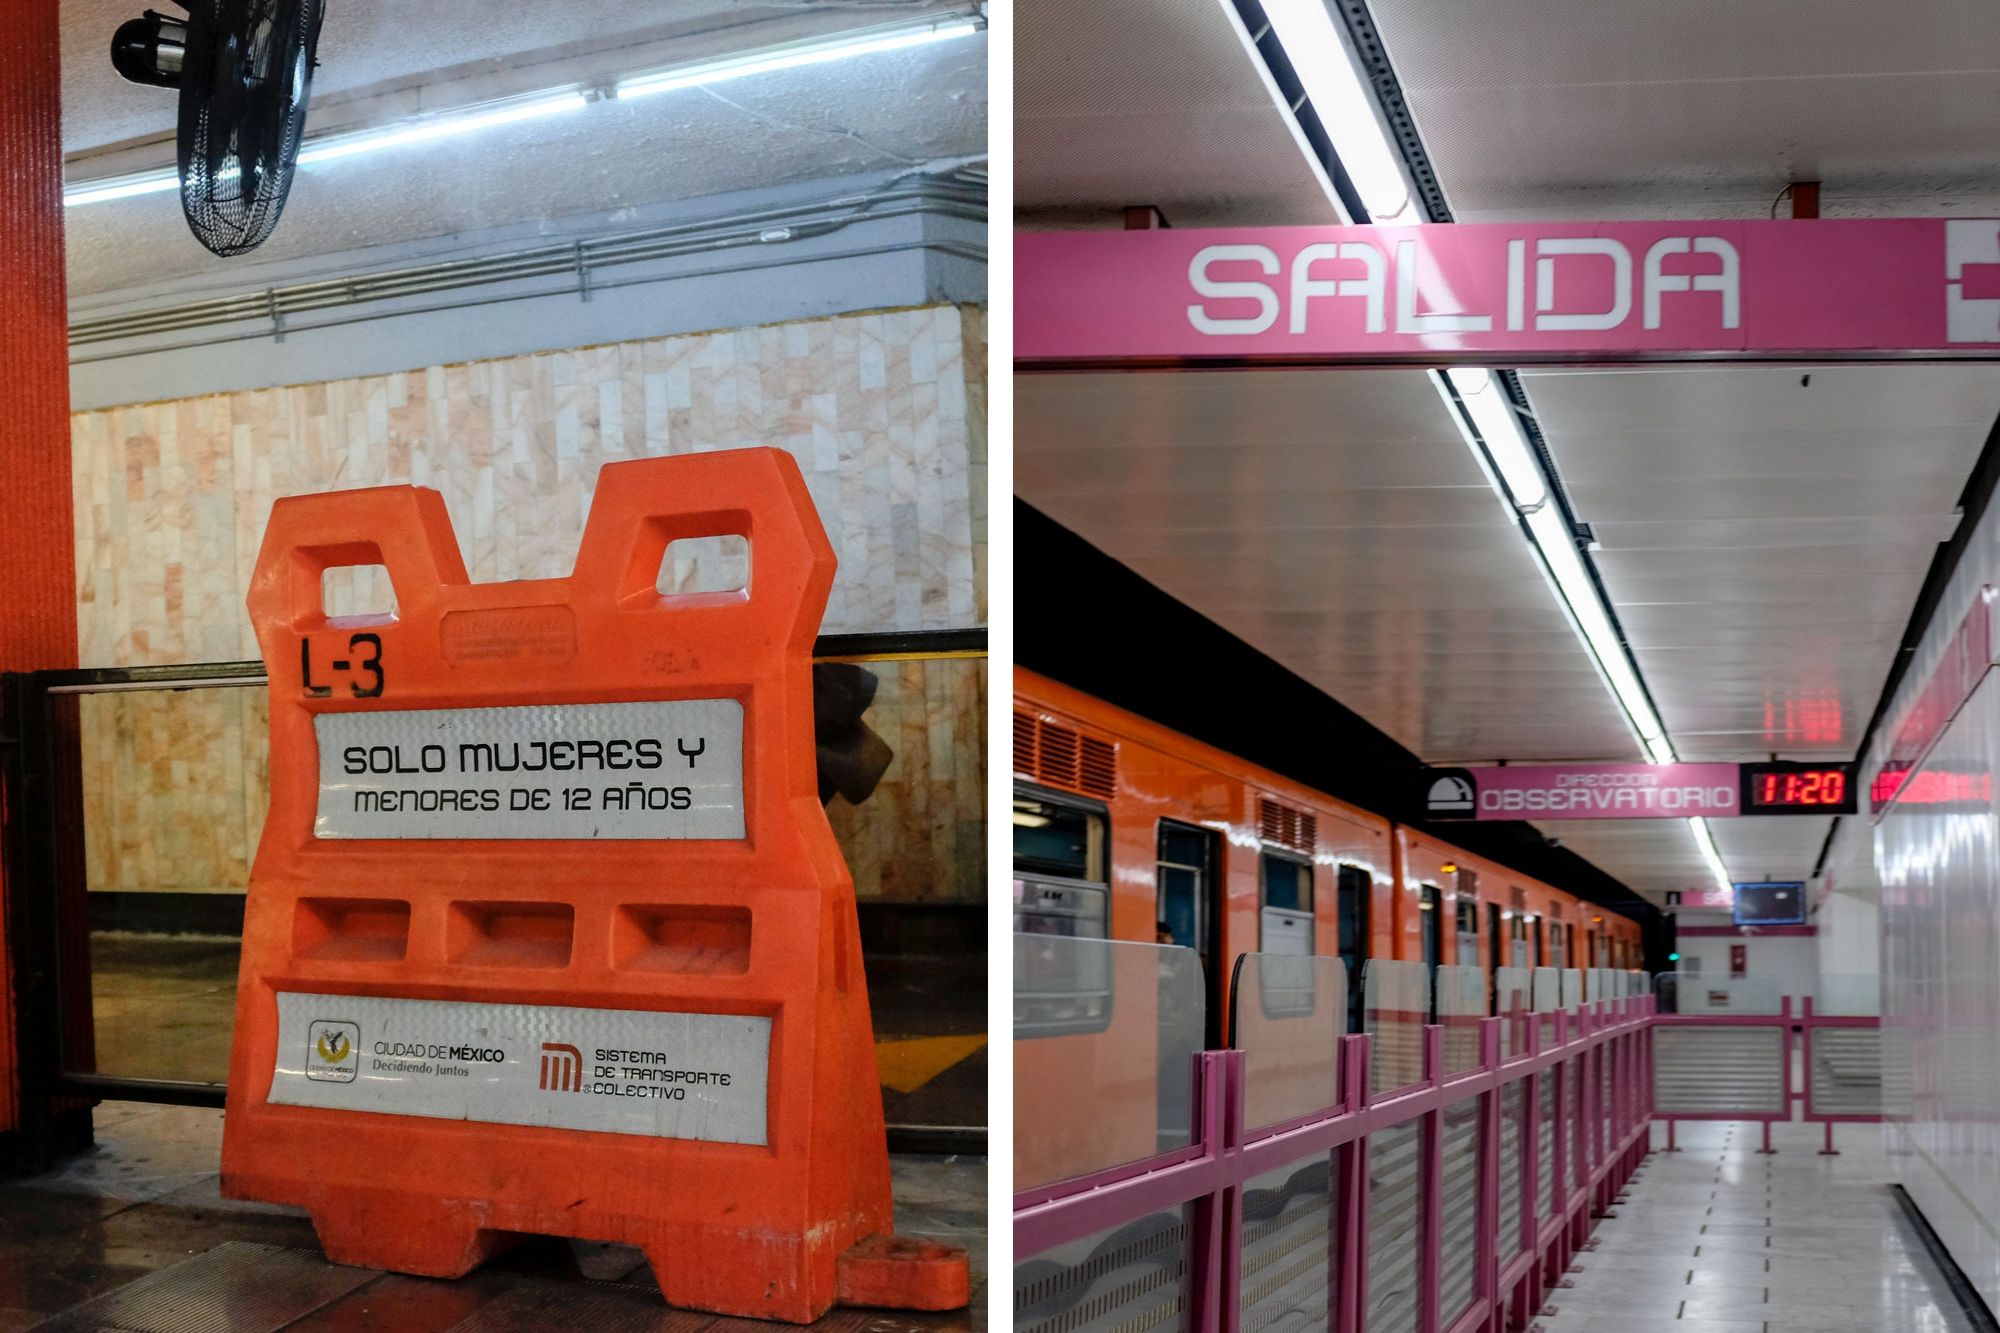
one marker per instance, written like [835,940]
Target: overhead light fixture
[1325,63]
[1492,415]
[1704,840]
[701,74]
[446,125]
[550,102]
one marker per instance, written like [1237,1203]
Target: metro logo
[562,1067]
[1324,271]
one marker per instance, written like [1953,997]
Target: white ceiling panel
[1130,102]
[1749,642]
[1337,522]
[1701,108]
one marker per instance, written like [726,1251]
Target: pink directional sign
[1512,294]
[1585,791]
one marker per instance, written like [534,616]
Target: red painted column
[37,543]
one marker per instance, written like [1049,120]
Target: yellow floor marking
[907,1063]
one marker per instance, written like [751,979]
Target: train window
[1058,838]
[1522,956]
[1354,889]
[1061,889]
[1557,956]
[1285,922]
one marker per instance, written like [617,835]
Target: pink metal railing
[1604,1048]
[1791,1058]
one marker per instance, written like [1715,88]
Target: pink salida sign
[1585,791]
[1506,293]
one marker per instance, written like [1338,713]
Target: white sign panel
[667,769]
[620,1071]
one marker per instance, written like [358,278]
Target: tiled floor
[143,1206]
[1719,1238]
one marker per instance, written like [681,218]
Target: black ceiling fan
[244,70]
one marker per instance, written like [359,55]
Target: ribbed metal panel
[1513,1123]
[1847,1071]
[1579,1131]
[1707,1071]
[1287,1260]
[1545,1152]
[1395,1208]
[1128,1279]
[1459,1222]
[1396,1055]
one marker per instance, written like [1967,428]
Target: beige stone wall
[885,413]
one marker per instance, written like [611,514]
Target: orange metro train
[1126,830]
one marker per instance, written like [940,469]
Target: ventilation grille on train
[1060,757]
[1288,827]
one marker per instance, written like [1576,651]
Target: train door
[1431,909]
[1496,943]
[1354,888]
[1188,890]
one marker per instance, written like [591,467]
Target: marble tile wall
[884,411]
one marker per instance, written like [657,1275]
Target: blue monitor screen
[1780,903]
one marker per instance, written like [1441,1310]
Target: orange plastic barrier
[548,932]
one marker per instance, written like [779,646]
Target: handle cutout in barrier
[706,567]
[356,596]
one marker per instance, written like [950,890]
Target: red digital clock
[1798,789]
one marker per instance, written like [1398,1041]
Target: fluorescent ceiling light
[1499,428]
[123,187]
[707,72]
[1553,538]
[450,124]
[1319,53]
[550,102]
[1704,839]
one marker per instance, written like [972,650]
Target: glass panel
[1136,1275]
[1289,1237]
[1105,1032]
[1396,998]
[1695,993]
[1572,989]
[1290,1014]
[1395,1203]
[1459,1222]
[1546,998]
[1058,839]
[175,785]
[1462,1006]
[1511,1001]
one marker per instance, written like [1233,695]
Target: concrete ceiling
[1764,534]
[379,60]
